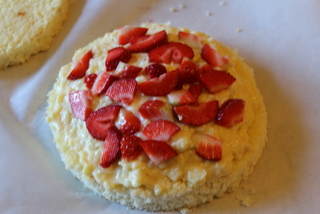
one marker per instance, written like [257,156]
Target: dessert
[28,27]
[157,118]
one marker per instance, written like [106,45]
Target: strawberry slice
[130,124]
[137,39]
[156,109]
[122,90]
[174,51]
[160,130]
[111,151]
[116,55]
[195,90]
[89,80]
[155,70]
[148,42]
[230,113]
[197,114]
[189,73]
[158,151]
[81,67]
[213,57]
[181,97]
[130,147]
[102,83]
[130,71]
[127,32]
[160,86]
[190,39]
[215,81]
[208,147]
[81,103]
[99,121]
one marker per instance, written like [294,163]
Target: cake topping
[81,67]
[99,121]
[230,113]
[181,85]
[158,151]
[160,130]
[116,55]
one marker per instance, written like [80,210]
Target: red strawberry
[81,67]
[230,113]
[116,55]
[197,114]
[111,151]
[208,146]
[130,147]
[160,130]
[155,70]
[156,109]
[160,86]
[122,90]
[126,33]
[181,97]
[81,103]
[148,43]
[158,151]
[174,51]
[189,73]
[102,83]
[89,80]
[190,39]
[213,57]
[205,69]
[99,121]
[195,90]
[215,81]
[130,71]
[137,39]
[130,123]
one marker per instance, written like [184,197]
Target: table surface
[279,39]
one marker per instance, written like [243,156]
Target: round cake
[28,27]
[157,118]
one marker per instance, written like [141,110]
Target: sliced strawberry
[174,51]
[197,114]
[122,90]
[130,147]
[205,69]
[81,67]
[116,55]
[130,71]
[130,123]
[155,70]
[160,86]
[148,43]
[189,73]
[208,146]
[215,81]
[137,39]
[195,90]
[102,83]
[99,121]
[127,32]
[190,39]
[160,130]
[181,97]
[158,151]
[89,80]
[111,151]
[230,113]
[81,103]
[156,109]
[213,57]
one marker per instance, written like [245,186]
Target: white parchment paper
[279,39]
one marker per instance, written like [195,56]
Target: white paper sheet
[279,39]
